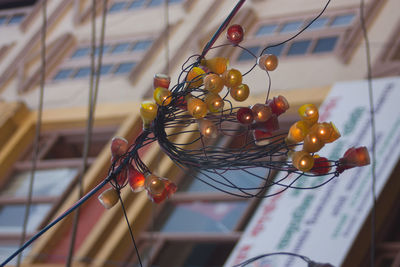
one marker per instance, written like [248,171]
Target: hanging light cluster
[204,95]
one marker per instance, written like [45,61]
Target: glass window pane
[105,69]
[325,44]
[299,48]
[82,72]
[244,55]
[106,49]
[125,67]
[275,50]
[136,4]
[12,216]
[81,52]
[342,20]
[174,1]
[117,7]
[204,217]
[63,74]
[7,250]
[3,20]
[318,24]
[291,26]
[120,48]
[142,45]
[266,30]
[156,2]
[17,18]
[48,182]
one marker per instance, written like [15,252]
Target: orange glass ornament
[268,62]
[213,83]
[309,113]
[154,185]
[278,105]
[240,93]
[108,198]
[312,143]
[297,132]
[214,102]
[302,161]
[197,108]
[162,96]
[161,80]
[245,116]
[232,78]
[207,128]
[195,77]
[261,112]
[271,125]
[136,179]
[217,65]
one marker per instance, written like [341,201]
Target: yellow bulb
[312,143]
[207,128]
[232,78]
[197,108]
[302,161]
[309,113]
[217,65]
[108,198]
[148,112]
[213,83]
[162,96]
[240,93]
[195,77]
[297,132]
[214,102]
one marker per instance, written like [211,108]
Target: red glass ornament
[181,103]
[321,166]
[161,80]
[235,34]
[136,179]
[261,138]
[245,115]
[271,125]
[119,146]
[354,157]
[278,105]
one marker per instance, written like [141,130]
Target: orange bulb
[108,198]
[154,185]
[302,161]
[309,113]
[232,78]
[297,132]
[261,112]
[268,62]
[195,77]
[240,93]
[119,146]
[312,143]
[214,102]
[162,96]
[207,128]
[213,83]
[197,108]
[217,65]
[148,112]
[161,80]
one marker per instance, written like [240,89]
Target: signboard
[323,223]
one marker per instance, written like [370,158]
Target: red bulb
[235,34]
[136,179]
[261,138]
[278,105]
[119,146]
[271,125]
[245,115]
[354,157]
[321,166]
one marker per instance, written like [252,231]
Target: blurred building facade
[198,226]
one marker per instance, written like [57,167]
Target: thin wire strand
[35,151]
[373,130]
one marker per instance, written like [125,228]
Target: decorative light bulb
[217,65]
[245,115]
[195,77]
[136,179]
[119,146]
[271,125]
[321,165]
[148,112]
[108,198]
[262,138]
[302,161]
[354,157]
[312,143]
[240,93]
[335,134]
[207,128]
[214,102]
[162,96]
[268,62]
[154,185]
[232,78]
[161,80]
[309,113]
[213,83]
[261,112]
[235,34]
[297,132]
[278,105]
[197,108]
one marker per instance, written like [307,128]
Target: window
[117,7]
[58,166]
[118,58]
[323,36]
[137,4]
[17,18]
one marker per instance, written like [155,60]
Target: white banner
[323,223]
